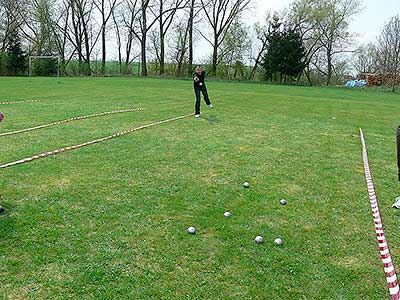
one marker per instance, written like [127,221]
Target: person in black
[200,86]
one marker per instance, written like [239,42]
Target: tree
[389,49]
[16,59]
[192,15]
[272,58]
[285,53]
[166,12]
[129,14]
[180,45]
[363,59]
[235,46]
[293,54]
[303,17]
[79,31]
[220,15]
[117,28]
[154,48]
[39,32]
[332,22]
[260,45]
[183,38]
[106,9]
[10,21]
[324,28]
[142,17]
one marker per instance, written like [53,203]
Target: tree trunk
[215,55]
[119,44]
[329,61]
[128,50]
[256,63]
[191,16]
[162,55]
[84,24]
[143,56]
[103,60]
[307,72]
[143,41]
[181,56]
[103,39]
[162,39]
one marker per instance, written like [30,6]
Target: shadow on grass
[211,119]
[7,221]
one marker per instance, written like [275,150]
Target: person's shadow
[211,119]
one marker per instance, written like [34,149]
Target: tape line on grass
[18,102]
[54,152]
[388,265]
[70,120]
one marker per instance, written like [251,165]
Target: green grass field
[109,221]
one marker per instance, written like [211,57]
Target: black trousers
[197,91]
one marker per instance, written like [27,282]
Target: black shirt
[201,79]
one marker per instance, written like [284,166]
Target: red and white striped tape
[70,120]
[54,152]
[388,265]
[19,102]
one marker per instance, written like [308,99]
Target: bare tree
[261,44]
[304,17]
[117,27]
[332,23]
[180,44]
[142,17]
[80,32]
[166,12]
[220,15]
[363,59]
[136,22]
[183,39]
[60,32]
[129,13]
[106,9]
[186,38]
[235,47]
[192,15]
[38,26]
[10,20]
[154,48]
[389,49]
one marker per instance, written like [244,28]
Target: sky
[366,25]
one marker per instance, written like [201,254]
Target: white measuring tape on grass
[54,152]
[70,120]
[18,102]
[388,265]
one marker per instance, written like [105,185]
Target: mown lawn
[109,221]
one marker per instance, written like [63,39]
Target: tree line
[310,42]
[382,57]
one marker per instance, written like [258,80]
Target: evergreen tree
[272,58]
[293,53]
[285,53]
[16,60]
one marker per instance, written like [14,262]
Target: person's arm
[195,78]
[203,81]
